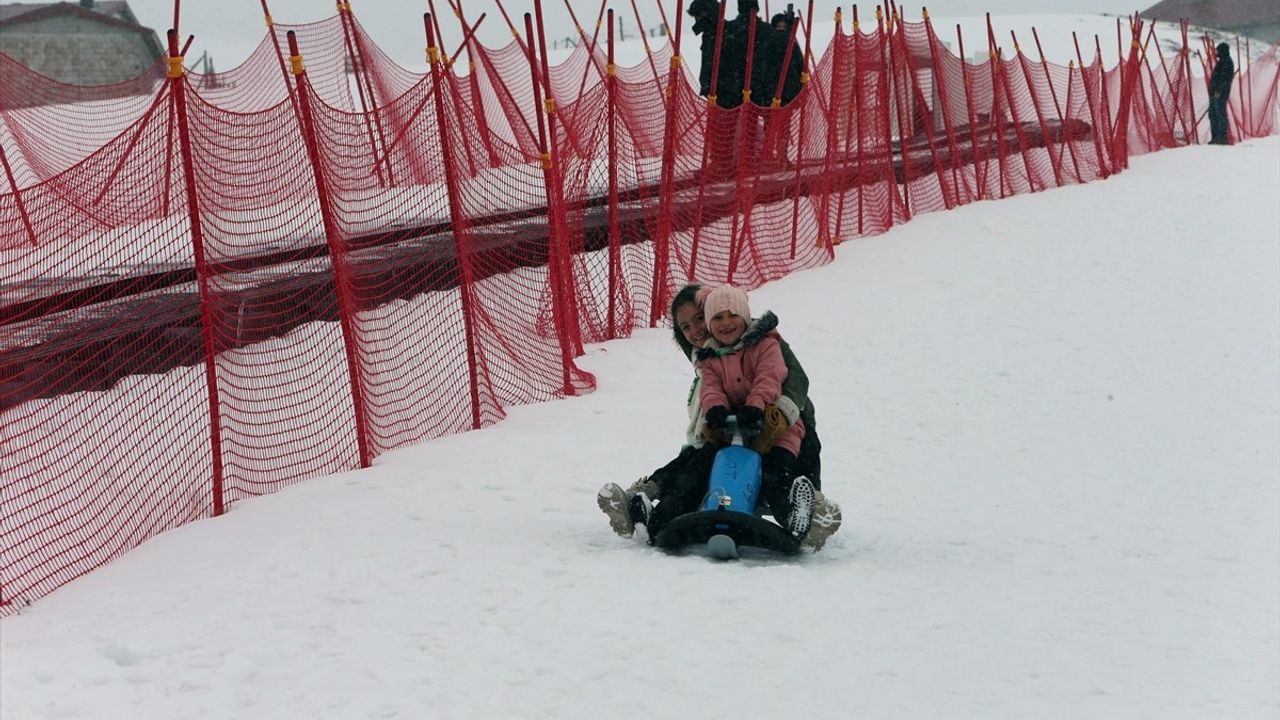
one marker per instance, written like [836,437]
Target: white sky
[228,25]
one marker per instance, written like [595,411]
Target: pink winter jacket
[751,375]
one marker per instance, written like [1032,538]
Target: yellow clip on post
[296,62]
[175,67]
[675,62]
[746,96]
[711,100]
[550,105]
[546,161]
[612,69]
[804,78]
[433,55]
[775,103]
[270,22]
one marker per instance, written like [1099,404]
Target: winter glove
[774,426]
[717,418]
[750,420]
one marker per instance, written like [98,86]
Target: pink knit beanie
[724,297]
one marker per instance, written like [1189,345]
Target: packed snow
[1052,422]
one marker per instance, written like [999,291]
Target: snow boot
[639,509]
[826,520]
[801,500]
[615,503]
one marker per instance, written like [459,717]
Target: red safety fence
[214,286]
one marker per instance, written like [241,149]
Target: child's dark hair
[686,294]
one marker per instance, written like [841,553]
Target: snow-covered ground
[1052,421]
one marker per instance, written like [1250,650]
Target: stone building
[86,43]
[1258,19]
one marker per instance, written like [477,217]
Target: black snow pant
[809,462]
[1218,120]
[777,471]
[682,484]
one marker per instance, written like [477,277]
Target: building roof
[113,13]
[1216,13]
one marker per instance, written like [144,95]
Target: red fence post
[342,276]
[1055,162]
[891,178]
[461,247]
[666,191]
[829,232]
[1057,106]
[981,170]
[177,96]
[711,112]
[17,197]
[940,83]
[615,239]
[360,90]
[558,305]
[1095,130]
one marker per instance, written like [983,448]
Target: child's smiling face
[727,327]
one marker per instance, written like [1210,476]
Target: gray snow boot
[615,502]
[826,520]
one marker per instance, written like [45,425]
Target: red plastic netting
[212,286]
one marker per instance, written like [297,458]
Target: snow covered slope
[1052,421]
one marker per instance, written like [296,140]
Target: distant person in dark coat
[1224,72]
[706,15]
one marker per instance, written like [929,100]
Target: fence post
[17,198]
[549,181]
[1094,131]
[1054,162]
[177,96]
[343,12]
[1057,106]
[943,98]
[713,110]
[980,171]
[342,276]
[615,239]
[460,245]
[662,243]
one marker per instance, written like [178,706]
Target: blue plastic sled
[727,519]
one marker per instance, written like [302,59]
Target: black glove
[718,418]
[750,420]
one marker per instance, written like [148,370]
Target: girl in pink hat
[742,372]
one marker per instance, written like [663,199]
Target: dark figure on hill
[780,38]
[1224,72]
[737,33]
[706,14]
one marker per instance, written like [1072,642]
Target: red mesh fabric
[214,286]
